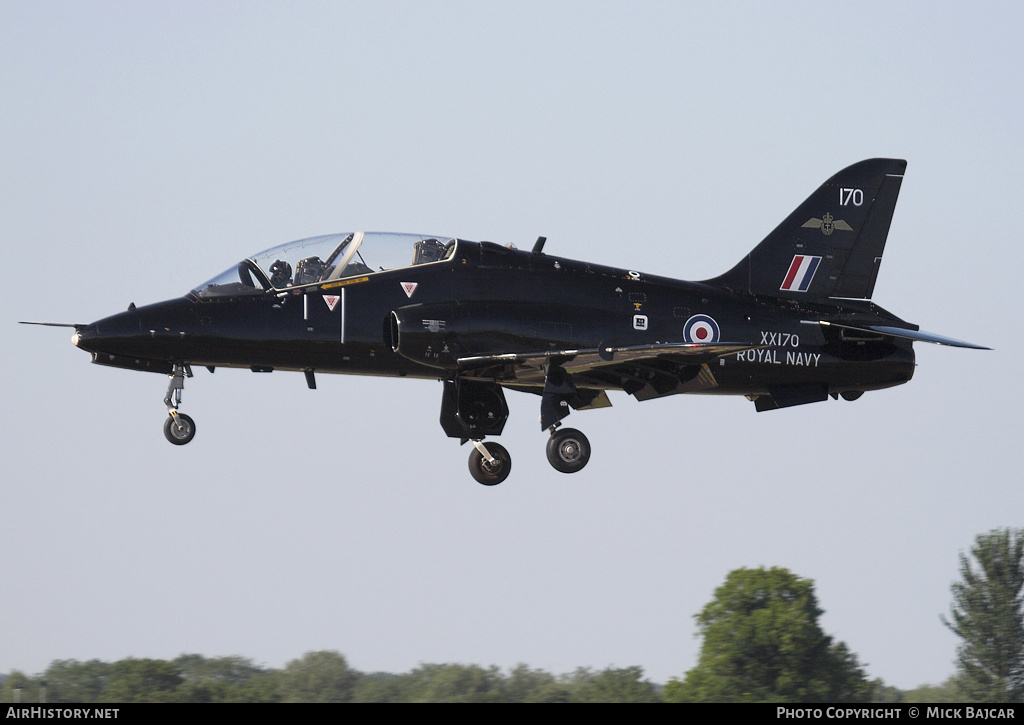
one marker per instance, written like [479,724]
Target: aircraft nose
[84,336]
[155,331]
[108,334]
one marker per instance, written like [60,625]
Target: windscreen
[325,258]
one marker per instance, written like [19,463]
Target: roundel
[700,328]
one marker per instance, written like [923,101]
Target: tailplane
[831,246]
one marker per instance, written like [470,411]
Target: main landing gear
[568,451]
[489,463]
[179,428]
[471,410]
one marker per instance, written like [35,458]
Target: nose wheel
[568,450]
[179,428]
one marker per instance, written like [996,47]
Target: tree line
[761,643]
[324,676]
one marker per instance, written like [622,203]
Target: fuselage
[418,321]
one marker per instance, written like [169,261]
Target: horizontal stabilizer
[916,335]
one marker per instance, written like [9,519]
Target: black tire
[568,450]
[486,473]
[179,429]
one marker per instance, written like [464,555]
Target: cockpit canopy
[327,258]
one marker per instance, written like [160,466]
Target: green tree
[233,670]
[762,643]
[74,681]
[224,679]
[948,691]
[452,683]
[625,684]
[988,615]
[19,687]
[143,680]
[881,692]
[318,677]
[262,687]
[378,687]
[526,685]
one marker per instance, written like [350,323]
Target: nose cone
[154,331]
[111,334]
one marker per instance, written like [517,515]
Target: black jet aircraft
[792,323]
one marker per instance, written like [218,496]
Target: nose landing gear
[179,428]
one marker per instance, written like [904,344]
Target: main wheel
[490,474]
[179,429]
[568,450]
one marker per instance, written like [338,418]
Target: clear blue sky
[144,147]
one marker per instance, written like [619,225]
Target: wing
[644,371]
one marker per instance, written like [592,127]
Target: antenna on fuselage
[539,245]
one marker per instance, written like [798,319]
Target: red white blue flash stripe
[801,272]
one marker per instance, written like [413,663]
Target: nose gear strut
[179,428]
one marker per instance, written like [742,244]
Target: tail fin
[831,246]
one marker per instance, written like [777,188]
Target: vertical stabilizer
[831,246]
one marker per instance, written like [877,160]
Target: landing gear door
[472,410]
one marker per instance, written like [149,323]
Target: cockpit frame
[308,262]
